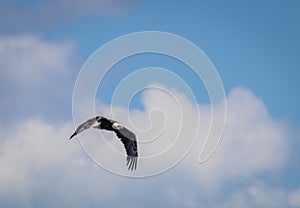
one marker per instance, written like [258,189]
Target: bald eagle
[127,137]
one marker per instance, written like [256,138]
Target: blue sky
[254,46]
[245,40]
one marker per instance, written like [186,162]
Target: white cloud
[36,69]
[37,159]
[258,194]
[28,59]
[252,143]
[39,164]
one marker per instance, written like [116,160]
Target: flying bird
[127,137]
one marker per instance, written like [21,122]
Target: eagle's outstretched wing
[84,126]
[128,139]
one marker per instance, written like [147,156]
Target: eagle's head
[117,126]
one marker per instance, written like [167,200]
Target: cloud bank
[41,167]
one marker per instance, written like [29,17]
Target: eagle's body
[106,124]
[127,137]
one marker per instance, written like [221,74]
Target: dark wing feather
[129,141]
[84,126]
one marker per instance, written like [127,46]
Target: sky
[52,56]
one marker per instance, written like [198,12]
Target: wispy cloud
[294,198]
[16,17]
[257,194]
[35,76]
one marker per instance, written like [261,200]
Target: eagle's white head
[117,126]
